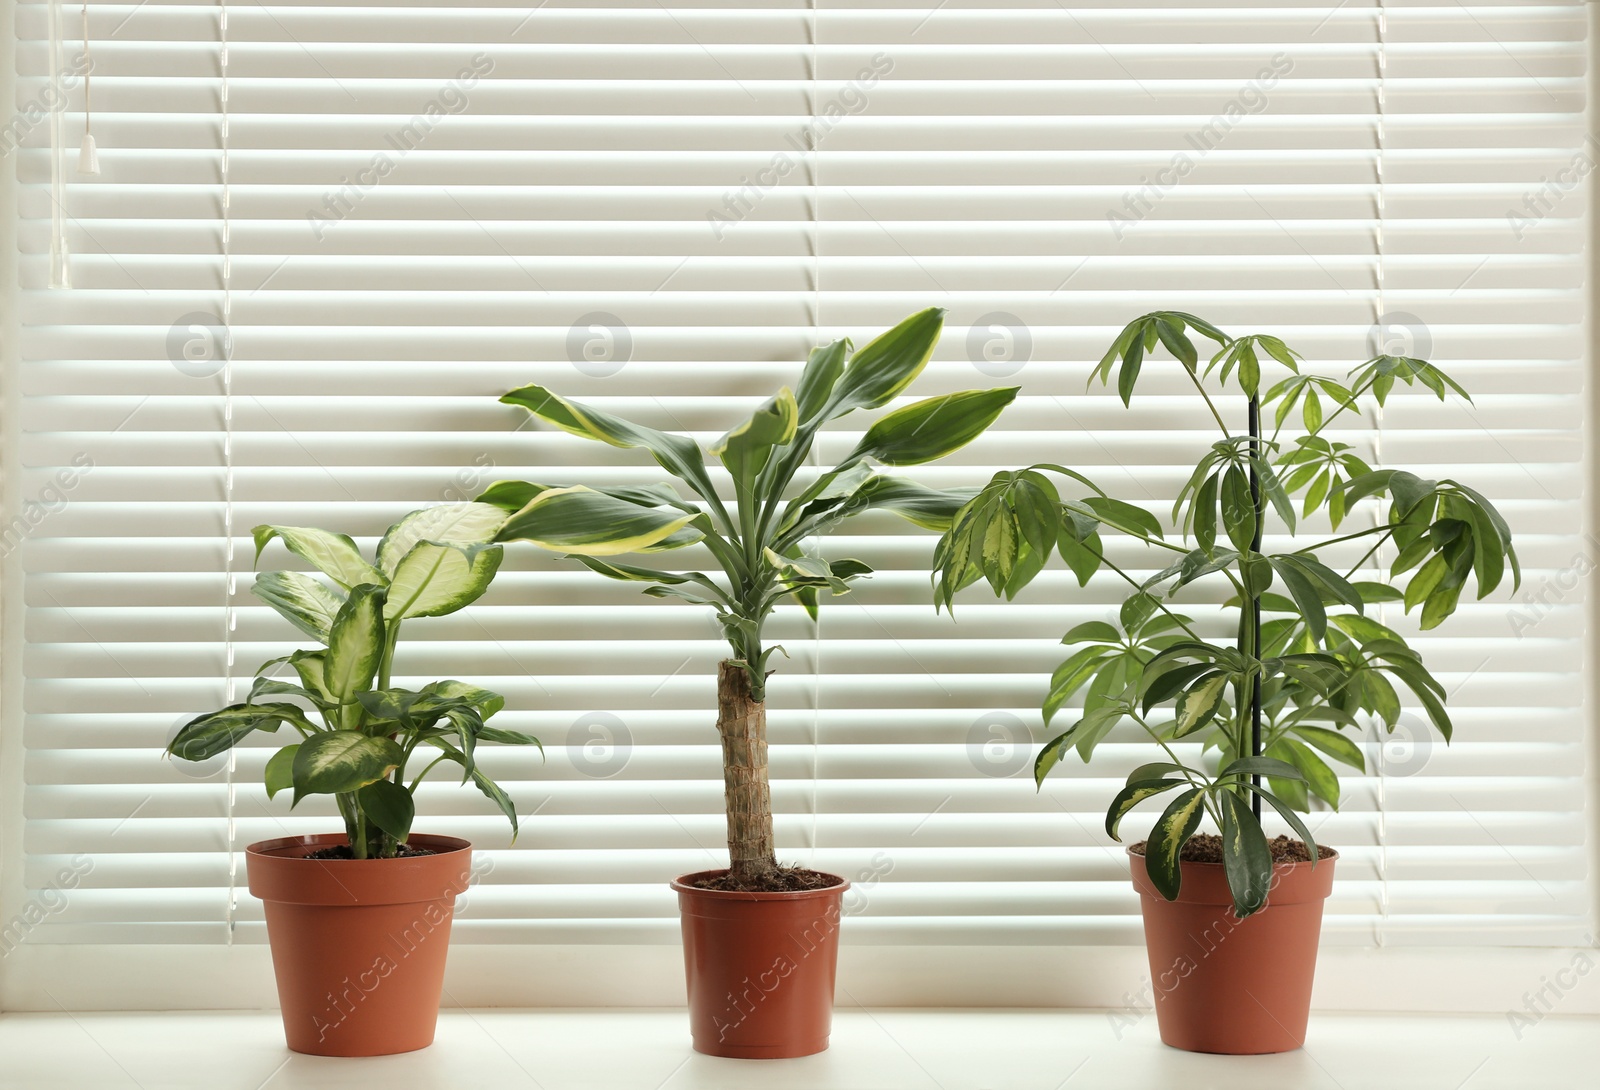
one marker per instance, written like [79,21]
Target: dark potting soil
[342,851]
[1207,848]
[786,880]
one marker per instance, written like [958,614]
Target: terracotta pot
[1222,984]
[358,945]
[760,968]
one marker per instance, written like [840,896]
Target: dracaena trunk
[742,724]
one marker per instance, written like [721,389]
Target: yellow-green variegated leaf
[217,732]
[677,454]
[1131,796]
[1172,831]
[930,508]
[446,524]
[930,429]
[746,449]
[510,496]
[355,645]
[304,602]
[1196,706]
[435,579]
[881,369]
[588,523]
[337,761]
[335,555]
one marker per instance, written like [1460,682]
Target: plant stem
[742,725]
[1368,554]
[1347,537]
[1198,385]
[1159,604]
[391,637]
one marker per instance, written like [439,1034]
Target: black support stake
[1255,600]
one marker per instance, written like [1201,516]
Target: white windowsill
[890,1049]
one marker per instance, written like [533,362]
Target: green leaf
[1124,516]
[1136,610]
[1333,743]
[1131,796]
[335,555]
[1305,595]
[355,645]
[1245,856]
[304,602]
[1293,819]
[1094,632]
[436,579]
[585,522]
[1128,377]
[1318,776]
[677,454]
[746,449]
[280,770]
[885,366]
[491,790]
[1204,514]
[389,806]
[1238,509]
[1172,831]
[1177,342]
[1083,557]
[217,732]
[1260,766]
[930,429]
[823,368]
[338,761]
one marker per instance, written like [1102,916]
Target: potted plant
[359,921]
[759,938]
[1233,699]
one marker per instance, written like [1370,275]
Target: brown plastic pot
[358,945]
[1221,984]
[760,968]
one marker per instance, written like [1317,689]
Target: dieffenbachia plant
[1276,697]
[761,539]
[357,734]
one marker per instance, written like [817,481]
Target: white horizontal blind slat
[1018,165]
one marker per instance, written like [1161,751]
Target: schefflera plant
[1282,695]
[763,542]
[357,735]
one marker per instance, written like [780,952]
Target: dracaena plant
[358,737]
[761,538]
[1302,662]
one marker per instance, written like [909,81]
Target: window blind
[657,208]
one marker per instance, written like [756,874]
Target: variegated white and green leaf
[355,645]
[338,761]
[582,521]
[301,600]
[446,524]
[435,579]
[335,555]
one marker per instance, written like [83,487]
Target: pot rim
[682,885]
[275,848]
[1307,863]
